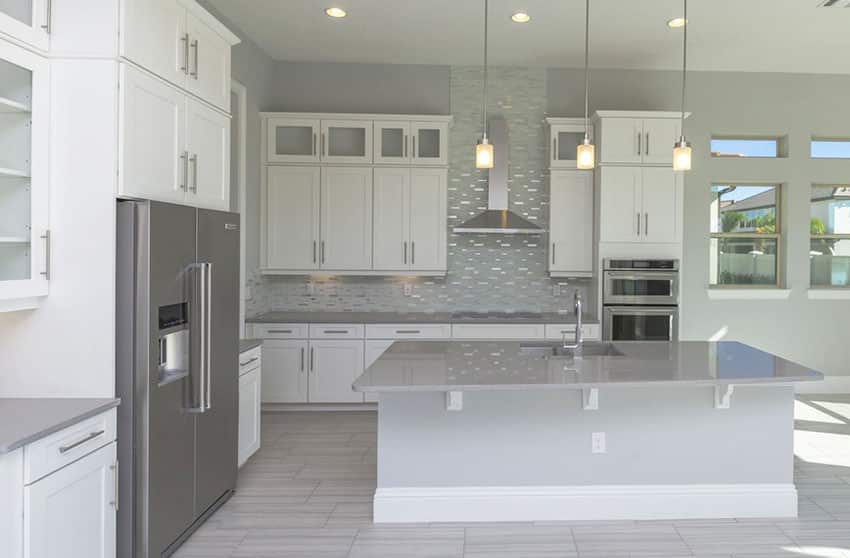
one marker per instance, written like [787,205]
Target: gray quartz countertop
[469,366]
[248,344]
[416,317]
[23,421]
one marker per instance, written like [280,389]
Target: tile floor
[307,494]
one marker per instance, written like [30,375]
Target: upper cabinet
[565,135]
[180,42]
[571,223]
[27,21]
[429,143]
[293,140]
[24,122]
[640,205]
[635,138]
[346,141]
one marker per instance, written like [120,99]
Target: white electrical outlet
[597,442]
[311,288]
[408,289]
[556,290]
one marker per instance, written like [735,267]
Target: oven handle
[652,276]
[669,310]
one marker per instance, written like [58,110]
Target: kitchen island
[511,431]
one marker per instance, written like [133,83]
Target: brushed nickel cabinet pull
[255,359]
[404,250]
[90,437]
[638,224]
[48,17]
[194,72]
[323,251]
[193,160]
[302,359]
[314,251]
[647,143]
[46,237]
[413,252]
[646,223]
[280,331]
[115,470]
[408,331]
[640,136]
[336,331]
[312,357]
[185,67]
[184,160]
[553,253]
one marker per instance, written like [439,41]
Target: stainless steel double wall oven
[640,300]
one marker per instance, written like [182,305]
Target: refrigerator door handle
[202,297]
[207,332]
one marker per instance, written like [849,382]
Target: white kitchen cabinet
[392,142]
[292,217]
[250,401]
[181,43]
[636,138]
[334,365]
[26,20]
[660,134]
[173,148]
[346,141]
[565,135]
[410,219]
[429,145]
[71,512]
[571,223]
[418,142]
[292,140]
[640,205]
[285,366]
[208,144]
[24,130]
[346,218]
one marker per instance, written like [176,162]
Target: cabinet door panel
[209,64]
[208,144]
[661,199]
[153,35]
[346,141]
[292,140]
[658,139]
[71,513]
[428,219]
[152,159]
[571,222]
[285,371]
[620,204]
[428,143]
[25,20]
[391,212]
[334,365]
[392,141]
[621,140]
[249,414]
[292,218]
[346,222]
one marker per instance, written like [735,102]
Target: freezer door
[166,257]
[216,427]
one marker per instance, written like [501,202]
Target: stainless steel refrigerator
[177,371]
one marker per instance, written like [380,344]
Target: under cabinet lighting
[677,22]
[520,17]
[335,12]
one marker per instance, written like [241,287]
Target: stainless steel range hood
[498,219]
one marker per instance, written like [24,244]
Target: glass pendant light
[682,149]
[484,149]
[586,151]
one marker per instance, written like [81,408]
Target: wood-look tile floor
[307,493]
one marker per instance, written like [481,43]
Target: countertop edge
[105,405]
[246,345]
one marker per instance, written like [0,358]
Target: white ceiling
[735,35]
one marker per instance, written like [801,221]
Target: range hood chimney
[498,219]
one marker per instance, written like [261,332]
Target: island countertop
[421,366]
[295,317]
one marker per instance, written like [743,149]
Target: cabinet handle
[314,251]
[302,359]
[194,73]
[404,260]
[280,331]
[413,151]
[554,149]
[638,220]
[90,437]
[553,253]
[647,144]
[312,357]
[323,251]
[408,331]
[184,160]
[640,137]
[413,253]
[48,17]
[46,272]
[185,67]
[250,360]
[324,153]
[336,331]
[314,143]
[193,160]
[646,223]
[405,146]
[114,502]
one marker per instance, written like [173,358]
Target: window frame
[781,142]
[825,236]
[824,139]
[777,237]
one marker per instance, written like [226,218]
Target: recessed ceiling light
[676,22]
[335,12]
[520,17]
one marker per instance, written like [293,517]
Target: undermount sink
[547,350]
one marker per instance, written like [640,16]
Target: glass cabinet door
[293,140]
[346,141]
[24,238]
[565,139]
[429,143]
[26,20]
[392,142]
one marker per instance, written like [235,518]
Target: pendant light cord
[586,55]
[486,2]
[684,64]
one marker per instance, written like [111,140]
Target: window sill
[749,294]
[829,294]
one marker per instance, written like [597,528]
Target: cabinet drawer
[280,331]
[409,331]
[61,448]
[497,331]
[336,331]
[250,360]
[556,331]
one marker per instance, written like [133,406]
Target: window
[829,252]
[745,235]
[747,147]
[830,149]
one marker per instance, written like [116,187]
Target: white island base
[527,455]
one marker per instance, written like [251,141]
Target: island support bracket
[723,396]
[590,399]
[454,400]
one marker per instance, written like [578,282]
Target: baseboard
[830,384]
[283,407]
[575,503]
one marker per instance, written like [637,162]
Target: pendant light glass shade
[682,155]
[586,155]
[484,154]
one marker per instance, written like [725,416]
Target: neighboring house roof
[768,198]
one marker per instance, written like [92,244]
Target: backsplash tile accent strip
[486,272]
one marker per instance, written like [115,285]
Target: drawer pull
[336,331]
[280,331]
[255,359]
[408,331]
[92,436]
